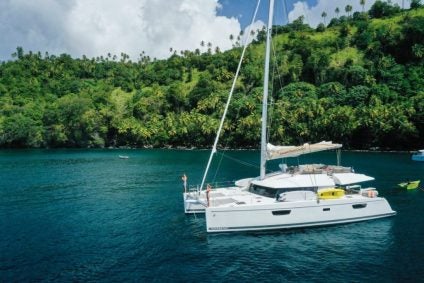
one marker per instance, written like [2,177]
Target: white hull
[285,215]
[418,157]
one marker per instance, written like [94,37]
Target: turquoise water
[86,215]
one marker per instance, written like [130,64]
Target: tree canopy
[359,81]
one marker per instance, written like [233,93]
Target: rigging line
[274,53]
[229,97]
[225,146]
[237,115]
[243,162]
[227,141]
[239,161]
[217,169]
[271,100]
[270,97]
[286,14]
[275,70]
[285,11]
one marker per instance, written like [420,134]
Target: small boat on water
[418,156]
[410,185]
[123,157]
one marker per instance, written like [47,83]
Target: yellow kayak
[411,185]
[330,193]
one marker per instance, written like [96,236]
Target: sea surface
[87,215]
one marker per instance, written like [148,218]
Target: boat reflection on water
[329,253]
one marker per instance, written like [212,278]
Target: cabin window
[281,212]
[263,191]
[274,192]
[326,209]
[360,205]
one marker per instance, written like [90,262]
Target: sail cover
[288,181]
[274,152]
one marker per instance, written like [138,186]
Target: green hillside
[359,81]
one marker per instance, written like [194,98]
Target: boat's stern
[193,203]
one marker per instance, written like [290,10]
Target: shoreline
[183,148]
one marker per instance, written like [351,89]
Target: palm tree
[202,44]
[362,2]
[324,15]
[348,9]
[337,11]
[238,41]
[418,50]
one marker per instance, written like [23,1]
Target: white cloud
[98,27]
[313,14]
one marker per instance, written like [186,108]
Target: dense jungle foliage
[358,80]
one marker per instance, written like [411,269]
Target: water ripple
[89,216]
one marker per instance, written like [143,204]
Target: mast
[265,96]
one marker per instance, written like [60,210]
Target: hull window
[326,209]
[281,212]
[360,205]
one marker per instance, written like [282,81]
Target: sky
[98,27]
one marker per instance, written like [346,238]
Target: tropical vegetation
[358,80]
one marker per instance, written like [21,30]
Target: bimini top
[288,181]
[274,152]
[350,178]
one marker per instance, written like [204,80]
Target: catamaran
[299,196]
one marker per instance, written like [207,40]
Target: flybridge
[275,152]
